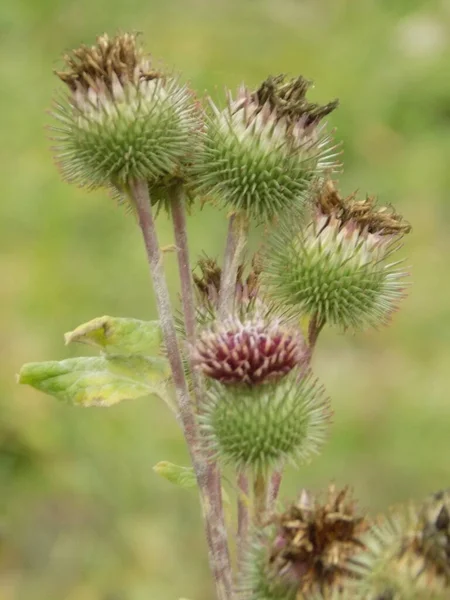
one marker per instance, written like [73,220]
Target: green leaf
[98,381]
[119,335]
[181,476]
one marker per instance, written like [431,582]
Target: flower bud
[122,119]
[249,353]
[258,426]
[263,150]
[336,267]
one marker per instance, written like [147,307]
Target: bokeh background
[83,516]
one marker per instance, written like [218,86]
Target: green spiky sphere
[395,565]
[336,272]
[139,130]
[258,580]
[258,425]
[258,164]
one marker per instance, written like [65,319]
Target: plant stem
[177,203]
[235,244]
[260,497]
[315,327]
[274,488]
[206,473]
[243,518]
[141,199]
[236,241]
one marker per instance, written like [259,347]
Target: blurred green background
[83,516]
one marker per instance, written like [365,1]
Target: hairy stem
[141,200]
[177,203]
[260,497]
[236,241]
[243,518]
[206,473]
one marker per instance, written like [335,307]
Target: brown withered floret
[119,56]
[315,542]
[365,213]
[288,100]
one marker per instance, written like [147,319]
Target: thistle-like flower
[261,408]
[308,549]
[251,353]
[264,149]
[122,119]
[339,267]
[265,410]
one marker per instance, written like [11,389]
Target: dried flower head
[288,100]
[122,119]
[315,541]
[364,213]
[337,267]
[258,426]
[308,549]
[263,150]
[252,352]
[118,57]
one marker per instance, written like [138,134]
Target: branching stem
[316,325]
[177,204]
[260,497]
[235,245]
[274,488]
[206,472]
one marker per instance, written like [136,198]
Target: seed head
[263,150]
[249,353]
[308,549]
[315,541]
[336,267]
[122,119]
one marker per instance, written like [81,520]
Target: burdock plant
[235,365]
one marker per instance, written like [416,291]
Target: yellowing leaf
[98,381]
[119,335]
